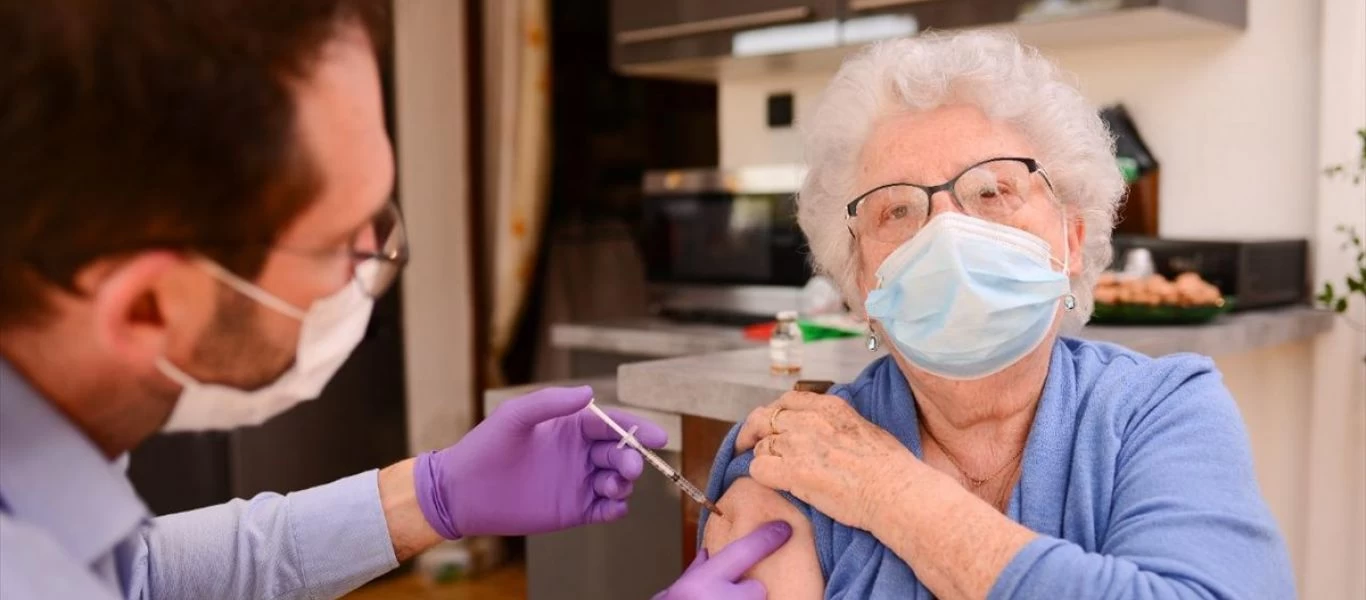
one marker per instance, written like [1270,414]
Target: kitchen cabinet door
[654,31]
[693,39]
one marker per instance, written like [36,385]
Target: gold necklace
[974,482]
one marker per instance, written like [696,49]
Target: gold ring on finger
[769,448]
[773,419]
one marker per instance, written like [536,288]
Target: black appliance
[723,245]
[1257,273]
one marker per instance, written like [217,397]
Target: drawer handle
[664,32]
[862,5]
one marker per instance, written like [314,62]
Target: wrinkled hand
[539,463]
[826,454]
[718,577]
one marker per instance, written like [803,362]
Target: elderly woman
[963,195]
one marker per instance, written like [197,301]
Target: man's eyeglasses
[377,252]
[992,189]
[380,251]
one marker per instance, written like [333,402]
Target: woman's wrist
[913,495]
[952,539]
[892,493]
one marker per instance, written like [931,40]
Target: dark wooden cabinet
[701,439]
[953,14]
[694,39]
[678,31]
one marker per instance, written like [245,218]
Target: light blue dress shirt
[71,526]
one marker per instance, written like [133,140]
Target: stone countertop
[728,385]
[646,336]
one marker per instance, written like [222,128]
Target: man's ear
[131,300]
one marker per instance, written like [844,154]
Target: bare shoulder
[791,572]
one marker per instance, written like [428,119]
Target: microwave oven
[1257,273]
[724,242]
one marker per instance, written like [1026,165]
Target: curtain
[594,273]
[516,162]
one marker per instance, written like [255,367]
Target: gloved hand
[539,463]
[718,578]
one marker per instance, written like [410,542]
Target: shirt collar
[53,477]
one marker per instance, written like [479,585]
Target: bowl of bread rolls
[1155,300]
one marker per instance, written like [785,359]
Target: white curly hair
[1009,82]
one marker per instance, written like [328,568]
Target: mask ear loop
[249,289]
[1069,301]
[175,373]
[241,286]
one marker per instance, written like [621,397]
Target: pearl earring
[1069,301]
[872,340]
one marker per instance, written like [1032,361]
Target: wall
[1217,111]
[1336,521]
[741,114]
[1235,122]
[433,180]
[1193,102]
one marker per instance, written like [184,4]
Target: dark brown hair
[128,125]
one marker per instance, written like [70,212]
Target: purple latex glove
[539,463]
[718,578]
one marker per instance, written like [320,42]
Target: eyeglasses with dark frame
[993,189]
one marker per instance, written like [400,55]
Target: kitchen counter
[725,386]
[645,336]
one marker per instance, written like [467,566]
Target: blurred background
[600,192]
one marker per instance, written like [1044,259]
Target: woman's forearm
[957,544]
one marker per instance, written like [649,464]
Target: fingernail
[780,528]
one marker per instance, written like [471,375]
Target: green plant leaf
[1354,285]
[1341,305]
[1326,296]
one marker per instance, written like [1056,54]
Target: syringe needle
[655,461]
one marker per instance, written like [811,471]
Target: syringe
[628,438]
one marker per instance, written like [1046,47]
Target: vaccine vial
[785,346]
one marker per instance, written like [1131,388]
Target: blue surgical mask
[966,298]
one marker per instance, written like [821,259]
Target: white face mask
[332,327]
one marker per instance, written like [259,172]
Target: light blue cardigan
[1137,474]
